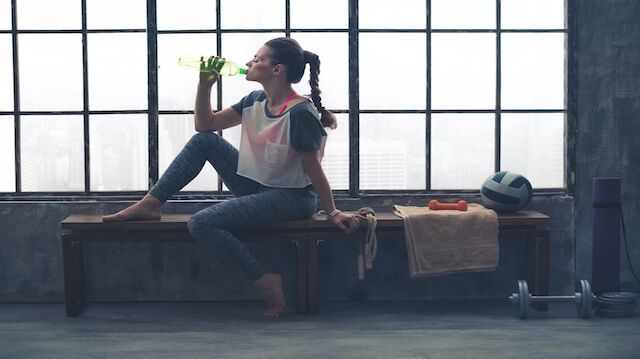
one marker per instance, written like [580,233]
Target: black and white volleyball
[506,191]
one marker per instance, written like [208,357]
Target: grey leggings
[254,204]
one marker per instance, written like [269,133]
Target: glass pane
[186,14]
[37,14]
[174,132]
[463,14]
[533,71]
[253,14]
[326,14]
[52,153]
[333,50]
[401,14]
[232,135]
[6,73]
[336,154]
[119,152]
[177,85]
[5,14]
[240,48]
[392,151]
[117,71]
[463,71]
[117,14]
[533,145]
[56,90]
[7,155]
[395,78]
[462,150]
[532,14]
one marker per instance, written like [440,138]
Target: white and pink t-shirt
[270,145]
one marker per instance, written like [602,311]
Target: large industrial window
[430,95]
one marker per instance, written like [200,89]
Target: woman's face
[260,67]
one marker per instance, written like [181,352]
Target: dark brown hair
[287,51]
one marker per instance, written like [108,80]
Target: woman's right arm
[205,119]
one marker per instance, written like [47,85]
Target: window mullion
[428,102]
[287,18]
[220,79]
[354,102]
[571,91]
[152,85]
[16,95]
[85,101]
[498,89]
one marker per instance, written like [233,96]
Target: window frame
[353,109]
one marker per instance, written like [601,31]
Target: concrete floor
[462,329]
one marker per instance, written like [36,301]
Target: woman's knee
[204,138]
[207,233]
[203,224]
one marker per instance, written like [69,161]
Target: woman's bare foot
[147,209]
[270,288]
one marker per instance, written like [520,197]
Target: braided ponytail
[287,51]
[327,118]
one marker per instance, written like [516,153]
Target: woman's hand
[209,70]
[208,78]
[347,222]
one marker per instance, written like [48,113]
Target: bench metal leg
[538,268]
[73,275]
[314,291]
[543,267]
[302,277]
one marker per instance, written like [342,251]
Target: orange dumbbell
[460,206]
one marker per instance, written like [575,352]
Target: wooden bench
[306,234]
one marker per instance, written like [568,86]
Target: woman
[274,176]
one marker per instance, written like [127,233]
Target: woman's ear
[278,69]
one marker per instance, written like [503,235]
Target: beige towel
[446,241]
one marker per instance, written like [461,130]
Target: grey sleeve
[306,131]
[248,101]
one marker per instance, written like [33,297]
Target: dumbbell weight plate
[615,304]
[522,309]
[618,297]
[584,301]
[616,310]
[613,313]
[609,306]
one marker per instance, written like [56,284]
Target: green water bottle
[211,63]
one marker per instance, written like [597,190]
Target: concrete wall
[607,69]
[608,118]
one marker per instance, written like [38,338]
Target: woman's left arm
[347,222]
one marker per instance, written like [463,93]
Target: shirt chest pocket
[275,153]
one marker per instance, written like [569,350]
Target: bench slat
[167,222]
[179,222]
[391,220]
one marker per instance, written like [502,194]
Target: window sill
[339,195]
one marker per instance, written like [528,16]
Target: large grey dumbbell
[522,299]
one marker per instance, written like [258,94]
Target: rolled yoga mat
[606,235]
